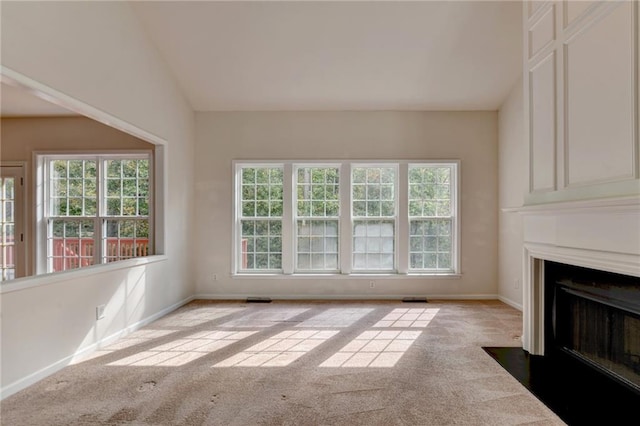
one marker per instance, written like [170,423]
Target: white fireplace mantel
[600,234]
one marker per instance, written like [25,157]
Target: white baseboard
[35,377]
[511,303]
[234,296]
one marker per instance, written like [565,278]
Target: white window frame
[295,167]
[345,243]
[16,170]
[454,216]
[42,161]
[395,217]
[286,214]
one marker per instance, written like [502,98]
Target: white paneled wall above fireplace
[581,80]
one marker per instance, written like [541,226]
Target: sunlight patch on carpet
[181,351]
[135,338]
[279,350]
[408,318]
[374,349]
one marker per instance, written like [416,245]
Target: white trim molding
[358,296]
[533,290]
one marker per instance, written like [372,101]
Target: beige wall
[21,137]
[512,189]
[471,137]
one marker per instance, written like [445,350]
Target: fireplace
[601,235]
[593,317]
[581,304]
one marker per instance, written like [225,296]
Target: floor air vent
[414,300]
[258,300]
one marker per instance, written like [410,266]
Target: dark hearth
[578,394]
[590,371]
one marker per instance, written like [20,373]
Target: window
[430,218]
[317,218]
[339,217]
[96,209]
[374,217]
[261,204]
[12,259]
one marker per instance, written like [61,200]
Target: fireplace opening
[594,317]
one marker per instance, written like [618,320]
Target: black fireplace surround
[592,335]
[594,316]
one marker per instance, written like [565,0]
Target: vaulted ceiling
[336,55]
[328,55]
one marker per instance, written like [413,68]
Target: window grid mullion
[402,220]
[100,223]
[345,225]
[288,235]
[67,188]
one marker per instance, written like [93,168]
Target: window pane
[125,239]
[127,187]
[374,245]
[114,168]
[114,187]
[262,192]
[71,244]
[317,245]
[430,244]
[72,188]
[129,168]
[373,191]
[429,191]
[114,207]
[317,191]
[261,244]
[143,207]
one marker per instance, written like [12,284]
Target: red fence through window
[72,253]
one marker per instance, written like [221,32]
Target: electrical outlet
[372,284]
[100,311]
[517,284]
[215,277]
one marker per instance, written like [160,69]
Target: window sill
[42,280]
[384,276]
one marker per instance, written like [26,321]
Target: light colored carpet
[296,363]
